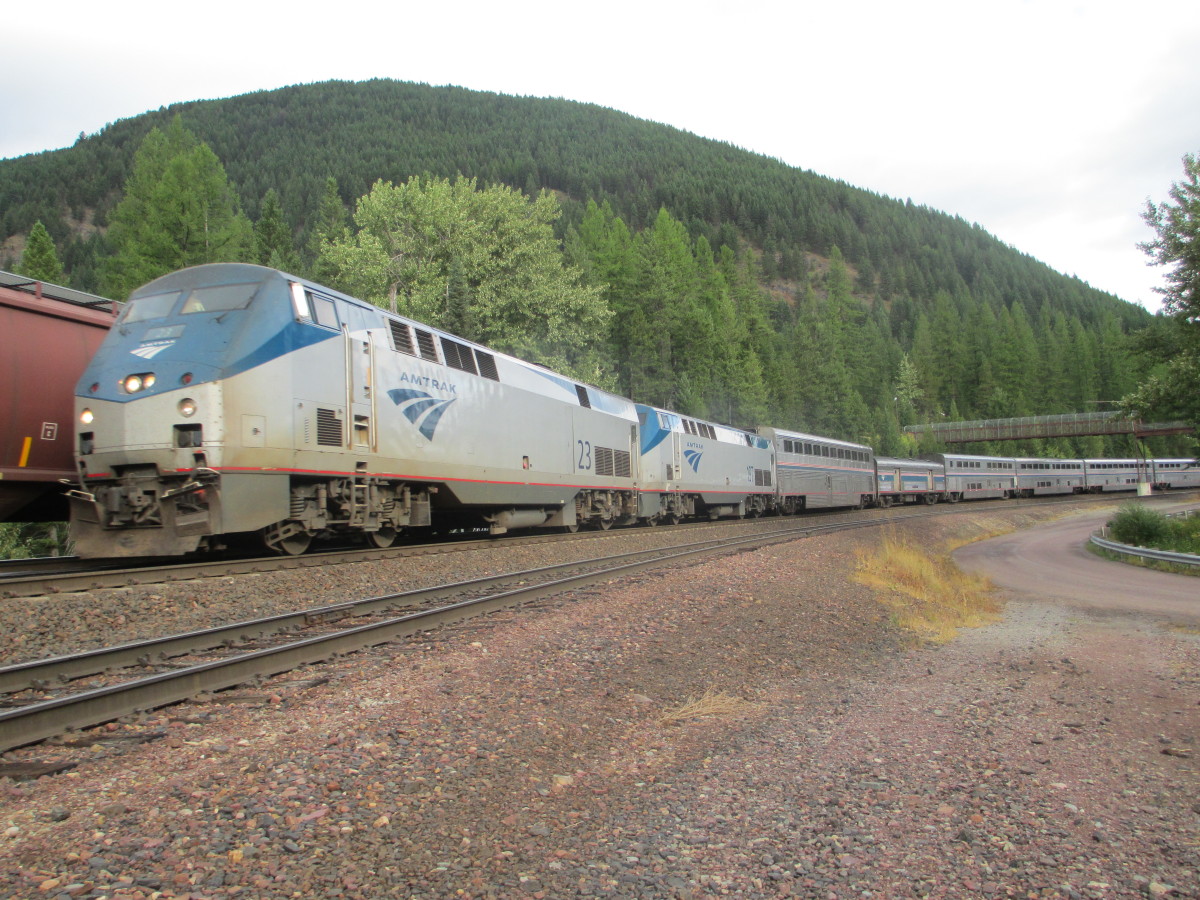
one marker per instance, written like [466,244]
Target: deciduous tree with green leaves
[510,283]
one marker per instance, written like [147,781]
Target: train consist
[234,399]
[48,334]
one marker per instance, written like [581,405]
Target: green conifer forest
[715,281]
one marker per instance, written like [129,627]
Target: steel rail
[38,674]
[109,574]
[38,721]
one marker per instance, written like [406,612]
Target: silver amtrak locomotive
[234,399]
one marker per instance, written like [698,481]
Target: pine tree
[178,210]
[272,237]
[40,259]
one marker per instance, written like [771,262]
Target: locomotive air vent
[621,467]
[459,356]
[402,338]
[329,428]
[604,461]
[425,342]
[487,365]
[613,462]
[582,394]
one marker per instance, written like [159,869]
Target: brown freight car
[47,336]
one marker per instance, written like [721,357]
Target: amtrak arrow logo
[149,351]
[693,459]
[420,405]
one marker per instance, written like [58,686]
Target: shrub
[1139,526]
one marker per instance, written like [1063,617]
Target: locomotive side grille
[612,463]
[487,365]
[329,428]
[762,477]
[425,342]
[604,461]
[402,338]
[621,464]
[581,393]
[459,356]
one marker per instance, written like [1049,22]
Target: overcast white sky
[1048,123]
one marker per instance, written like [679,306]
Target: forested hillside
[738,288]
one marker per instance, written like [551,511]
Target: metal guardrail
[1181,559]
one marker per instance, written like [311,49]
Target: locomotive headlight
[187,407]
[86,417]
[140,382]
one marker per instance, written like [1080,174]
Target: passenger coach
[1036,477]
[909,481]
[970,477]
[818,472]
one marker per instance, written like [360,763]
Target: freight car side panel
[44,346]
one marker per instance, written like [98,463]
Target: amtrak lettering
[426,381]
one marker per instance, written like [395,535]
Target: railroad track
[247,652]
[305,637]
[60,575]
[55,575]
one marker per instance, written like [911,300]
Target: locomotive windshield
[154,306]
[220,298]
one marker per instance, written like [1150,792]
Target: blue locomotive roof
[206,322]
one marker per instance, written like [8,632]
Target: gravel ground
[1050,755]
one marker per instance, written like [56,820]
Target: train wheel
[383,538]
[671,518]
[604,524]
[294,545]
[651,521]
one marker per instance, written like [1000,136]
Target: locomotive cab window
[313,308]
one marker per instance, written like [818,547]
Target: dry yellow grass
[712,705]
[926,593]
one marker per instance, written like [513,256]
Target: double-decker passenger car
[970,477]
[1170,474]
[815,472]
[1103,475]
[909,481]
[1049,476]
